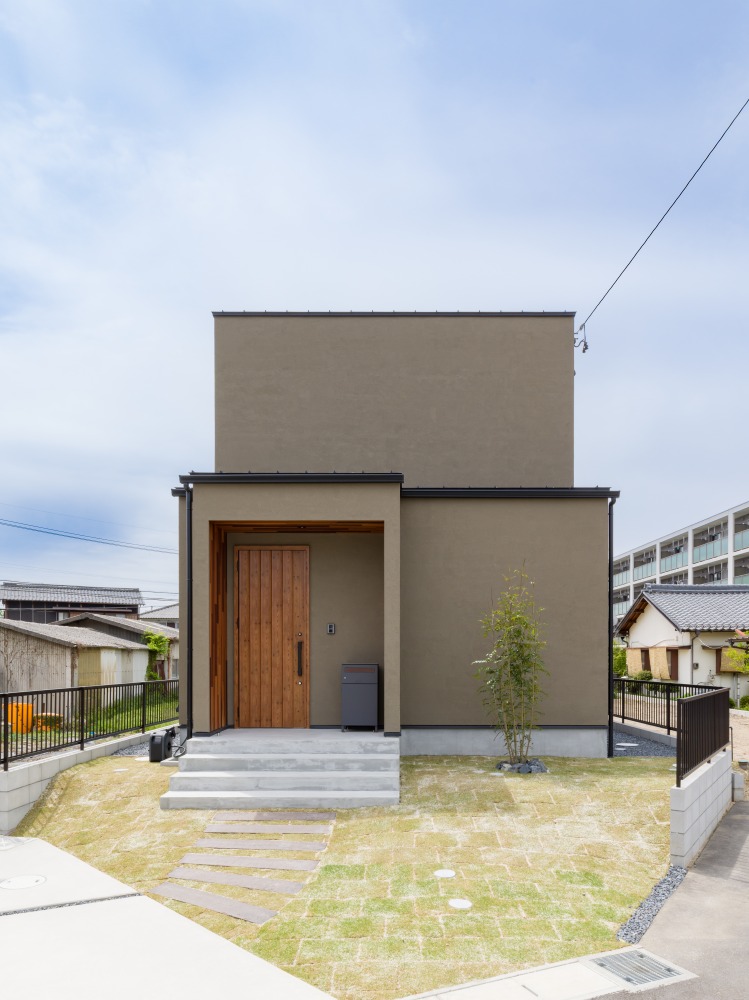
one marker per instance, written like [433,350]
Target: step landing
[262,768]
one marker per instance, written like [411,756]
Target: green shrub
[620,661]
[643,675]
[744,702]
[731,703]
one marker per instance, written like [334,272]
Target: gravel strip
[136,750]
[642,918]
[644,748]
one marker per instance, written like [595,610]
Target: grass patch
[553,864]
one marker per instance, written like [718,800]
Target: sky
[160,159]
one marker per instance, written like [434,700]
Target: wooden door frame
[235,611]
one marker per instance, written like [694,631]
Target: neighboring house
[678,632]
[43,602]
[134,630]
[712,551]
[35,656]
[463,424]
[166,615]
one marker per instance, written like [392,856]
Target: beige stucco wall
[448,401]
[453,559]
[347,589]
[296,503]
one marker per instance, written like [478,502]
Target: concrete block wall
[21,786]
[698,806]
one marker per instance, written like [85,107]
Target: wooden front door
[271,637]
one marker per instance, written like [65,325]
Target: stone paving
[242,894]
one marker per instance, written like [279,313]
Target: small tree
[158,649]
[511,672]
[736,656]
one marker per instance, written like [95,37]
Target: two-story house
[377,475]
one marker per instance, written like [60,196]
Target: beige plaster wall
[296,503]
[347,589]
[448,401]
[453,559]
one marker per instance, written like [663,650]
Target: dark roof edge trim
[292,477]
[178,491]
[509,493]
[348,315]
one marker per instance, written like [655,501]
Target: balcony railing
[646,570]
[741,540]
[674,561]
[708,550]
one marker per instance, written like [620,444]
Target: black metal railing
[703,730]
[653,703]
[37,722]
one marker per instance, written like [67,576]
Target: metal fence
[38,722]
[703,730]
[653,703]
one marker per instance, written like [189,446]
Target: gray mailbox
[359,687]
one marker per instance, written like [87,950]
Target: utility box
[359,695]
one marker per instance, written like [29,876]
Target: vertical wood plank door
[271,637]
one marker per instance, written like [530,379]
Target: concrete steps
[244,781]
[251,769]
[276,799]
[281,762]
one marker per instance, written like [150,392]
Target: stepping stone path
[283,826]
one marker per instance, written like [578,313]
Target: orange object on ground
[20,716]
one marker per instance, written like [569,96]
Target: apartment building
[712,551]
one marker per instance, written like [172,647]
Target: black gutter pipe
[610,749]
[188,554]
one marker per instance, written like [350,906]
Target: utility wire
[581,328]
[96,520]
[85,538]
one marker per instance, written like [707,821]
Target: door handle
[299,658]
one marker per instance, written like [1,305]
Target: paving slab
[281,885]
[705,923]
[215,902]
[163,951]
[242,861]
[34,874]
[277,817]
[263,845]
[268,828]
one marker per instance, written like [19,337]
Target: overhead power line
[95,520]
[580,337]
[86,538]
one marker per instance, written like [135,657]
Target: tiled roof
[131,624]
[14,591]
[68,635]
[706,607]
[170,612]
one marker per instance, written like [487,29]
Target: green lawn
[553,864]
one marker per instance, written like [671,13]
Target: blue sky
[162,159]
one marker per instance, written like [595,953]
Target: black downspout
[188,553]
[610,749]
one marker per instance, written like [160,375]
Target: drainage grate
[636,968]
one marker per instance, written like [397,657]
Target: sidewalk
[71,931]
[704,926]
